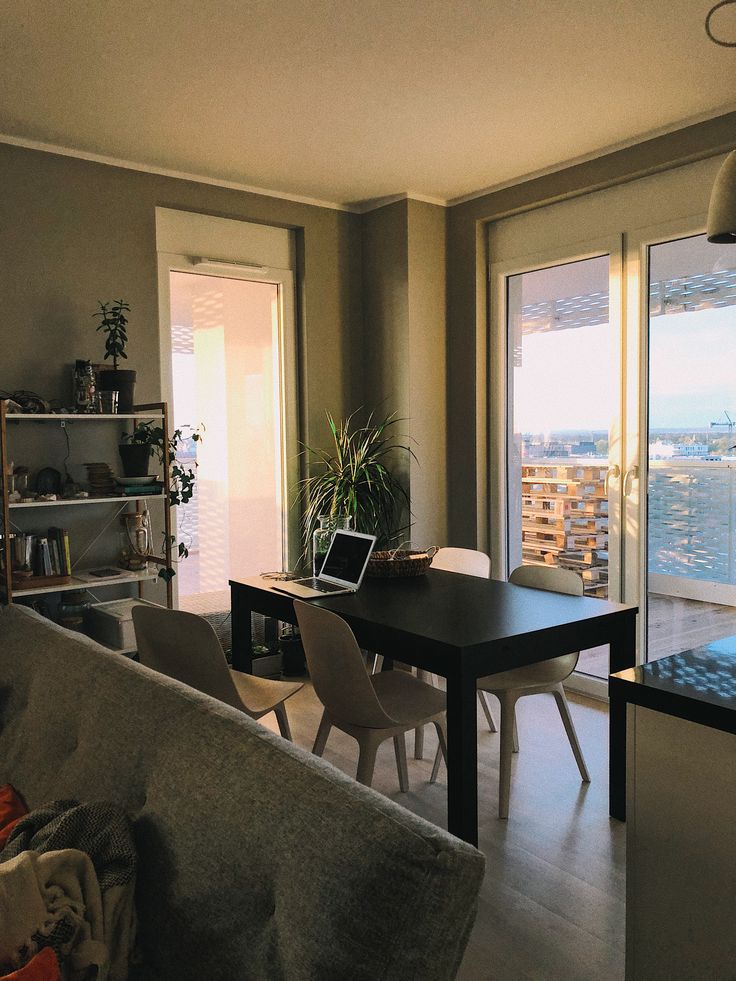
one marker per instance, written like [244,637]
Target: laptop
[342,570]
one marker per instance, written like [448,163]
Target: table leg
[622,655]
[242,633]
[462,759]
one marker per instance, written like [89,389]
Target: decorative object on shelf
[108,402]
[138,540]
[323,536]
[115,325]
[400,563]
[48,481]
[356,479]
[100,479]
[84,387]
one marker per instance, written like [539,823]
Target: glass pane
[225,354]
[692,410]
[562,385]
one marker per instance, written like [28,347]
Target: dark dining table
[462,628]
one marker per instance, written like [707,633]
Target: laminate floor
[552,902]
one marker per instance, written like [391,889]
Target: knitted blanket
[102,831]
[52,900]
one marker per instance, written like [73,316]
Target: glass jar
[328,525]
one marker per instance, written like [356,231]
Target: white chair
[185,646]
[370,708]
[468,562]
[546,676]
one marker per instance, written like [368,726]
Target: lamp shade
[722,210]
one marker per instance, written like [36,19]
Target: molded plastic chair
[185,646]
[370,708]
[546,676]
[468,562]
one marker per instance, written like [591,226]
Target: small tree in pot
[356,477]
[114,323]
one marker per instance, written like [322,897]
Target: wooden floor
[552,903]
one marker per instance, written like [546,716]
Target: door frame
[284,280]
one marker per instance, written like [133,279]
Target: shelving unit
[564,520]
[124,503]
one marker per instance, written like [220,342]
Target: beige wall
[74,232]
[405,364]
[467,303]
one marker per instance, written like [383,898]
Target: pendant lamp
[722,209]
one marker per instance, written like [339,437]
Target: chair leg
[400,750]
[441,753]
[322,733]
[436,765]
[367,760]
[485,705]
[560,698]
[508,718]
[419,743]
[283,721]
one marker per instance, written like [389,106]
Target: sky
[568,379]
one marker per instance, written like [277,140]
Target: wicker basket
[399,564]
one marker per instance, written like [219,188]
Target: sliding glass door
[691,446]
[613,407]
[563,421]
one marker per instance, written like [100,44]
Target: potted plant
[114,323]
[355,478]
[146,440]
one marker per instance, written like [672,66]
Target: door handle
[614,473]
[631,474]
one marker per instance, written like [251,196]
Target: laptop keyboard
[321,587]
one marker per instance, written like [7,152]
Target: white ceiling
[347,102]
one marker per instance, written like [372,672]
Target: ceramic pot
[135,458]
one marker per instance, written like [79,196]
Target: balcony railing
[691,529]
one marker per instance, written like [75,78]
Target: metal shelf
[88,500]
[123,579]
[79,416]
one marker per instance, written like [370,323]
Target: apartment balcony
[691,551]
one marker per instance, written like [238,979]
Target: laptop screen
[347,556]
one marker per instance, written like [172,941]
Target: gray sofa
[257,860]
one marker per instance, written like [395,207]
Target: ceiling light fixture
[722,209]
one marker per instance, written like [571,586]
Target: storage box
[111,623]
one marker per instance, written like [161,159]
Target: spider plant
[354,478]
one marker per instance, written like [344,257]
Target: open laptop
[342,570]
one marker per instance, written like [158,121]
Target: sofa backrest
[257,860]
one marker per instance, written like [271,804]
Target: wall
[405,365]
[467,456]
[73,232]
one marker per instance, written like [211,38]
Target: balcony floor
[675,625]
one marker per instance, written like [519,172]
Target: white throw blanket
[52,900]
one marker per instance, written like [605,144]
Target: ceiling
[348,102]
